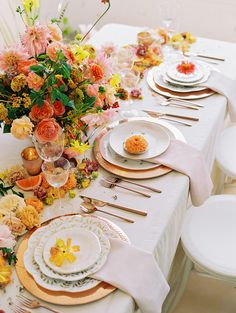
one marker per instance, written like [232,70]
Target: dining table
[159,232]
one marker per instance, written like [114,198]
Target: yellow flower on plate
[62,252]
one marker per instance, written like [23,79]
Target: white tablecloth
[159,232]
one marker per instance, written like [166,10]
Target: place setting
[183,78]
[126,148]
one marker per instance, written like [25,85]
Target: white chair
[209,237]
[226,152]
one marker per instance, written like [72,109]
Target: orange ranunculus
[37,114]
[36,203]
[97,72]
[47,130]
[59,108]
[34,81]
[24,66]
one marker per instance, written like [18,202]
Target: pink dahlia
[10,60]
[104,63]
[36,39]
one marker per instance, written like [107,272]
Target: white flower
[21,127]
[10,204]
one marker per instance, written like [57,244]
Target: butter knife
[191,118]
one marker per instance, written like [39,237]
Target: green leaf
[65,70]
[53,95]
[71,104]
[38,69]
[7,128]
[37,97]
[64,98]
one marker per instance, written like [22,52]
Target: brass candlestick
[31,160]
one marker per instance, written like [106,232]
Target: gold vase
[31,161]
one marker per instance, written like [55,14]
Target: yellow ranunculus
[80,53]
[115,80]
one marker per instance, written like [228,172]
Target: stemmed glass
[52,150]
[56,174]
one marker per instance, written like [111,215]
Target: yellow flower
[3,112]
[81,148]
[18,82]
[78,37]
[85,182]
[115,80]
[56,193]
[5,273]
[28,216]
[190,38]
[176,38]
[21,127]
[62,252]
[30,5]
[49,201]
[80,53]
[72,194]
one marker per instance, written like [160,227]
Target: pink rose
[37,114]
[59,108]
[6,238]
[47,130]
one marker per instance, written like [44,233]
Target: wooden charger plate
[60,297]
[134,174]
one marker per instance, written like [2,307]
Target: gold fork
[17,309]
[32,304]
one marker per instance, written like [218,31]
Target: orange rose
[47,130]
[59,108]
[37,114]
[24,66]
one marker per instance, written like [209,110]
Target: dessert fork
[31,304]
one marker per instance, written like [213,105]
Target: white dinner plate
[88,254]
[105,248]
[173,72]
[157,137]
[172,94]
[112,157]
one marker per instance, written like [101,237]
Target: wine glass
[52,150]
[56,174]
[129,80]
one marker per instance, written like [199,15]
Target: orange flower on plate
[186,67]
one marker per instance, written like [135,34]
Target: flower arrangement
[47,86]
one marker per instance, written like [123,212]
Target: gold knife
[117,206]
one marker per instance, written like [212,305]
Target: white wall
[207,18]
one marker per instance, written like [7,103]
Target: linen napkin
[226,87]
[135,272]
[189,161]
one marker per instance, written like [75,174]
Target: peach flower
[59,108]
[92,90]
[34,81]
[53,49]
[55,32]
[37,114]
[24,66]
[21,127]
[47,130]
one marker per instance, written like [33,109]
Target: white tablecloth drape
[159,232]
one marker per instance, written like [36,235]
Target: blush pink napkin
[226,87]
[189,161]
[135,272]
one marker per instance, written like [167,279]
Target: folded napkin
[187,160]
[226,87]
[135,272]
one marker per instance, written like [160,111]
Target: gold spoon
[91,208]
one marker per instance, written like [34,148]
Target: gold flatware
[114,205]
[108,184]
[188,54]
[91,208]
[186,101]
[18,309]
[116,179]
[32,304]
[168,102]
[190,118]
[174,121]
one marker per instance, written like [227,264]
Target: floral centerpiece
[47,86]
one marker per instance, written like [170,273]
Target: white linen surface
[124,268]
[159,232]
